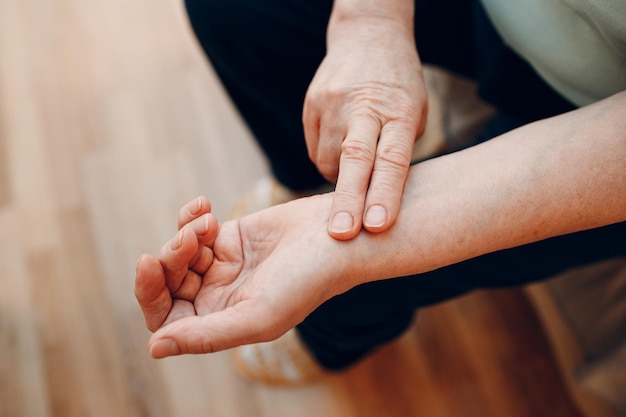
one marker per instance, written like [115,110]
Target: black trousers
[266,53]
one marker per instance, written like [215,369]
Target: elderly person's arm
[257,277]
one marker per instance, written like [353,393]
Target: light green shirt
[577,46]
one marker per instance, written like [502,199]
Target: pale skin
[250,280]
[364,110]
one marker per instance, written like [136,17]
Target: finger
[176,255]
[188,289]
[234,326]
[205,229]
[189,249]
[192,210]
[180,309]
[391,168]
[151,292]
[203,261]
[355,169]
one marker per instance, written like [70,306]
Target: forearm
[553,177]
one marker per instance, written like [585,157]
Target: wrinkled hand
[213,288]
[362,114]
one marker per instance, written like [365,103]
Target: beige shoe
[269,192]
[281,362]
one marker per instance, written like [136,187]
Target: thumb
[234,326]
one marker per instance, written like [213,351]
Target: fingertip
[211,224]
[193,209]
[342,226]
[376,218]
[205,228]
[176,255]
[177,241]
[162,348]
[149,280]
[139,262]
[201,225]
[145,264]
[341,222]
[204,203]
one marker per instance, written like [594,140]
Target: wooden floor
[110,119]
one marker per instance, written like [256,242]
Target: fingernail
[203,228]
[375,216]
[139,260]
[164,347]
[341,222]
[195,209]
[177,242]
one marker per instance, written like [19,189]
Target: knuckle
[357,150]
[206,346]
[315,96]
[334,91]
[394,157]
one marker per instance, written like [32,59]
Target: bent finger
[189,287]
[176,256]
[205,228]
[190,248]
[192,210]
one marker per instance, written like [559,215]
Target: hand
[362,114]
[213,288]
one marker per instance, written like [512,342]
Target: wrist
[395,15]
[401,11]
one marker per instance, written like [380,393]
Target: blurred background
[110,120]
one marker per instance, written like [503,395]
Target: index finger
[356,163]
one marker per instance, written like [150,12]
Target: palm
[230,279]
[255,254]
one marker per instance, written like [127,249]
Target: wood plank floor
[110,119]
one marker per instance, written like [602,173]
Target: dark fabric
[266,52]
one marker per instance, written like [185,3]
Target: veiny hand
[363,111]
[251,280]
